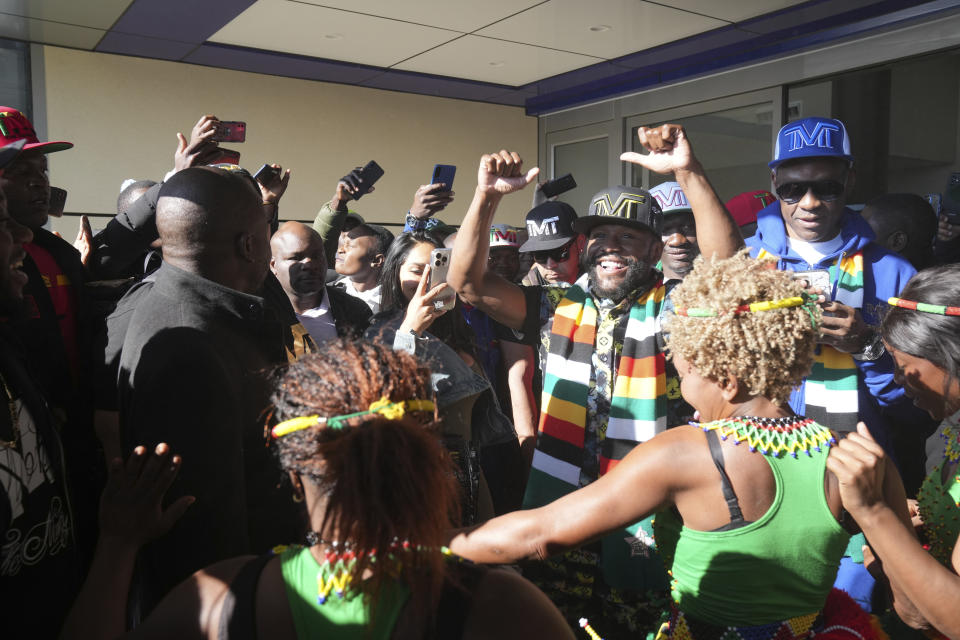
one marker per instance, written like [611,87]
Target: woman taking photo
[922,333]
[354,426]
[478,434]
[731,493]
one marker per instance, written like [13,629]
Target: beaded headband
[753,307]
[938,309]
[383,406]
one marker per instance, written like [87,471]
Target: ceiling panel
[602,28]
[310,30]
[56,33]
[459,15]
[100,14]
[489,60]
[732,10]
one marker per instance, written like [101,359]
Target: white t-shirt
[814,252]
[319,321]
[371,296]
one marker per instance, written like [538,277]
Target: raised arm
[499,174]
[925,592]
[670,152]
[608,504]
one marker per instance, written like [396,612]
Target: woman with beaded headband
[746,512]
[922,332]
[355,427]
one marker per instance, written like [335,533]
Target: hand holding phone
[818,279]
[429,200]
[366,177]
[425,305]
[272,181]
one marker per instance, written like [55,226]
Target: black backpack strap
[238,618]
[733,505]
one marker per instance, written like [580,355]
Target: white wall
[123,113]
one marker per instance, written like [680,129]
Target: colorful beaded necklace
[340,560]
[773,436]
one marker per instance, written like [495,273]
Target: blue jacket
[884,275]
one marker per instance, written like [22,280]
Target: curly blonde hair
[770,352]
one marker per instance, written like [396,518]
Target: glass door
[584,152]
[732,137]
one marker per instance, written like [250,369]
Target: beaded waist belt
[841,619]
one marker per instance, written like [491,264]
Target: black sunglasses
[826,190]
[559,254]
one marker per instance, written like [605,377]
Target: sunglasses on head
[557,255]
[825,190]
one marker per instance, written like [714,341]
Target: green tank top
[347,618]
[781,566]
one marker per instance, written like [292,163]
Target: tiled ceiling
[539,53]
[509,43]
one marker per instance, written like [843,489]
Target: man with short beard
[604,389]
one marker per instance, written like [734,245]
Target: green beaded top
[939,503]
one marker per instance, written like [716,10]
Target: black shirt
[193,373]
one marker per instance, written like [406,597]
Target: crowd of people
[660,416]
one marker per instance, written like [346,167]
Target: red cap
[15,126]
[744,207]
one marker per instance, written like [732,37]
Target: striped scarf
[830,391]
[637,413]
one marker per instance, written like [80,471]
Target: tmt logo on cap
[503,235]
[670,197]
[812,138]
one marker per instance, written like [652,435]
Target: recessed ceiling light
[496,64]
[333,36]
[600,27]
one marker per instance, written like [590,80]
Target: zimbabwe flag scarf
[637,413]
[830,391]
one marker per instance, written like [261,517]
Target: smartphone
[267,175]
[228,156]
[58,199]
[817,279]
[231,131]
[559,185]
[950,205]
[439,266]
[443,174]
[368,176]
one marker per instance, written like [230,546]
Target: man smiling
[604,388]
[679,231]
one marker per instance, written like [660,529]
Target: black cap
[549,226]
[629,206]
[10,151]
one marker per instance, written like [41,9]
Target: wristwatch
[872,348]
